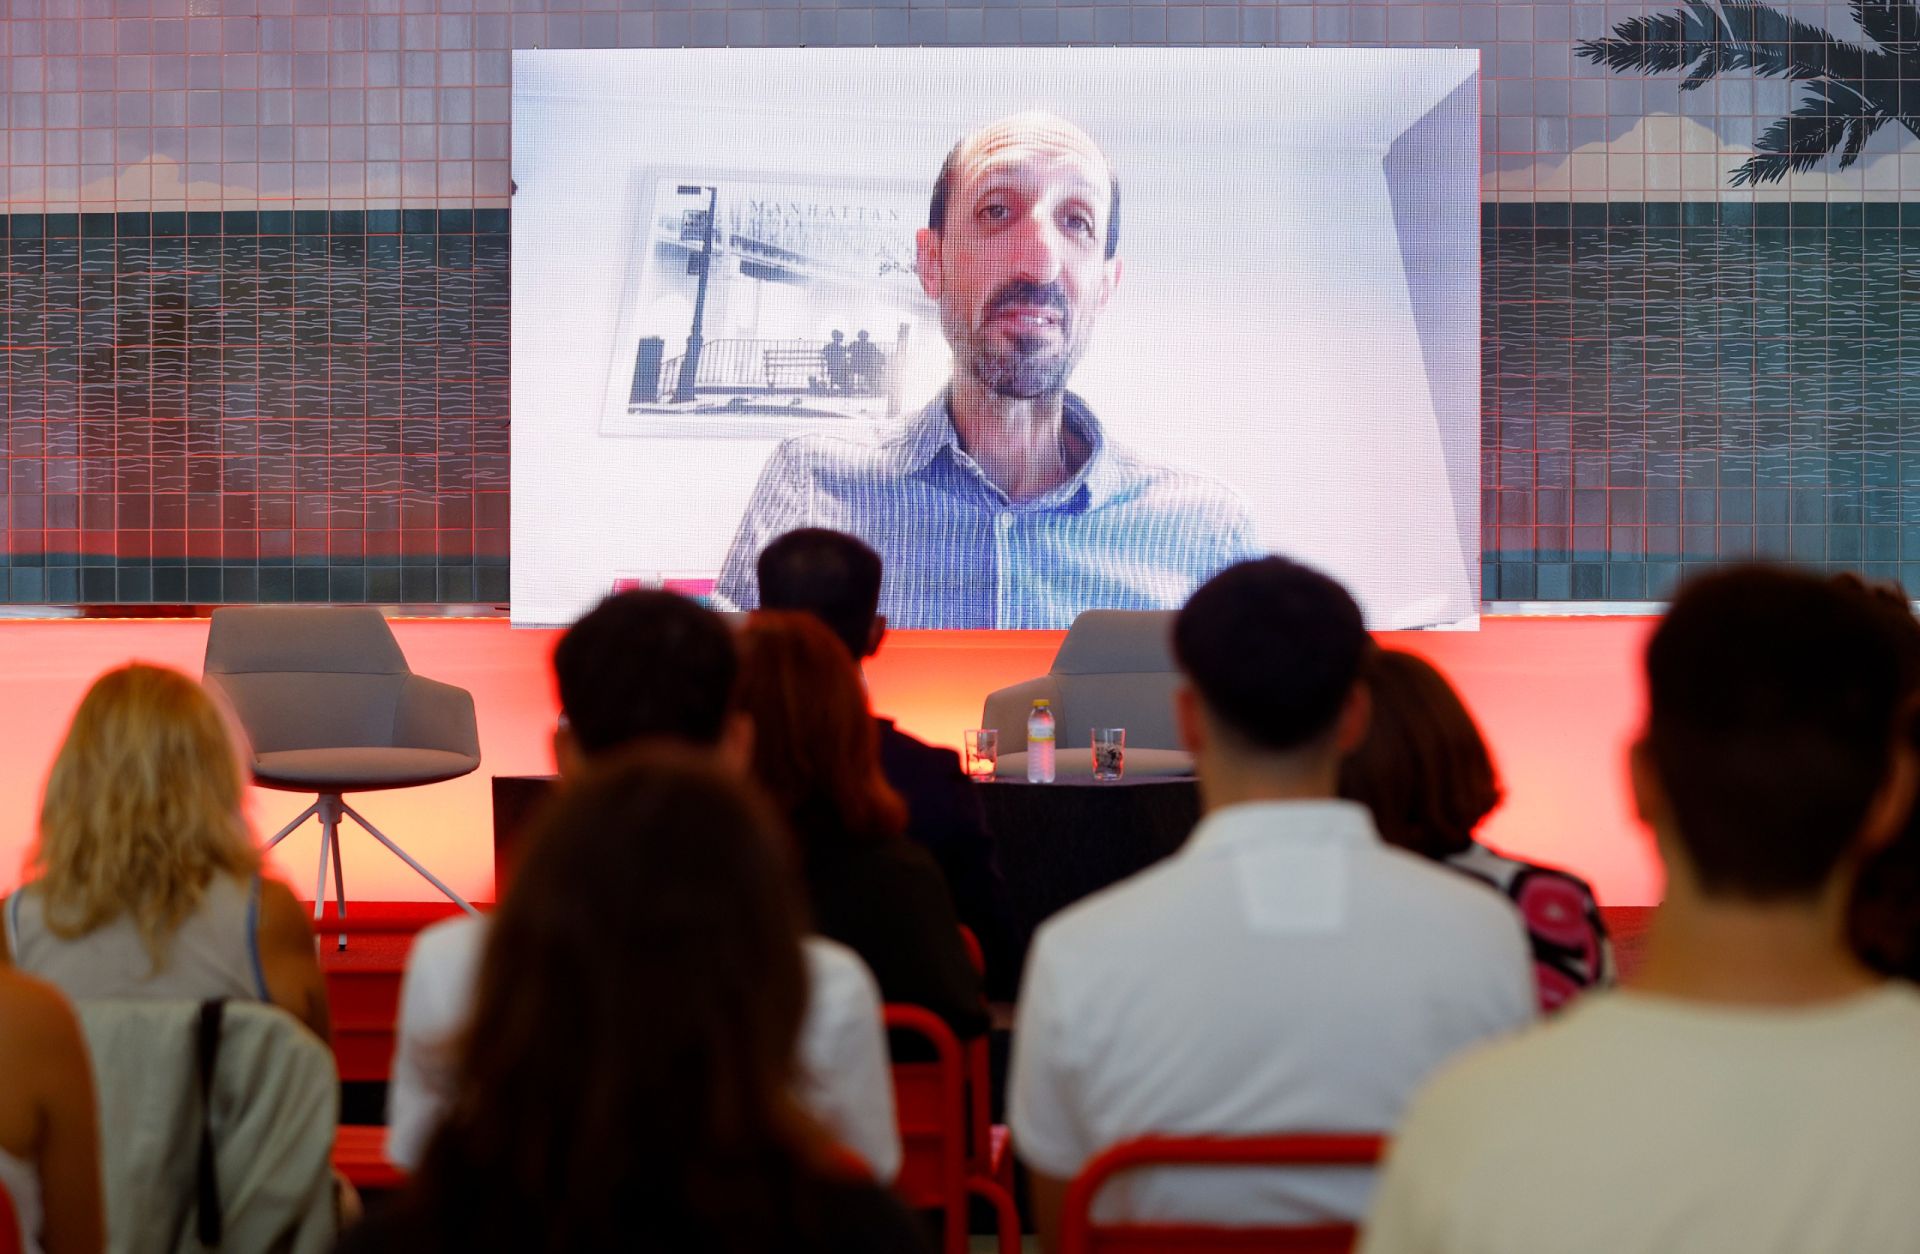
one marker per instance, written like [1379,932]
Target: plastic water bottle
[1040,744]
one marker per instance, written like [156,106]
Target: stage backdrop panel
[1290,330]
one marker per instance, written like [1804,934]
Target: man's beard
[1034,367]
[1030,370]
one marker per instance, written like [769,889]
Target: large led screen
[1051,329]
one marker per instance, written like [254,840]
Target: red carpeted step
[363,980]
[360,1154]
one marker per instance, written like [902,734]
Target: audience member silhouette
[627,1081]
[649,669]
[1884,920]
[49,1137]
[1754,1087]
[815,754]
[146,882]
[836,578]
[1427,776]
[1286,970]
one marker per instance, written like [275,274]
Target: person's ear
[876,632]
[1356,716]
[1892,806]
[1649,794]
[926,260]
[568,760]
[1110,280]
[735,749]
[1190,719]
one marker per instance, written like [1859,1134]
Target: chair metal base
[330,807]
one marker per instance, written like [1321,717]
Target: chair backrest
[1080,1235]
[9,1224]
[1110,642]
[929,1101]
[1114,669]
[271,1111]
[307,677]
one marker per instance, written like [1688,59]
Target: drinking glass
[1109,753]
[982,752]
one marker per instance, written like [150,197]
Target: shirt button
[1004,520]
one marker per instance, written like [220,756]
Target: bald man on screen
[1002,503]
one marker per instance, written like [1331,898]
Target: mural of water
[253,307]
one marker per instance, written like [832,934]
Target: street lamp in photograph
[690,364]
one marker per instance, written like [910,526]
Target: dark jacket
[885,899]
[944,818]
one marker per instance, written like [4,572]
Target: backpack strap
[209,1220]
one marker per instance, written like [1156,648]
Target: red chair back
[930,1105]
[9,1224]
[1080,1235]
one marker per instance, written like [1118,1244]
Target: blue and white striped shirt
[1122,533]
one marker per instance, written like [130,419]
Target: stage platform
[1559,700]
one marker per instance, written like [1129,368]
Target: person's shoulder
[910,754]
[834,970]
[831,455]
[33,1013]
[1103,924]
[1530,1069]
[1429,893]
[449,943]
[1141,482]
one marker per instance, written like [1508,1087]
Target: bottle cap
[1040,704]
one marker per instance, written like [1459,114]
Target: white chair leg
[320,878]
[339,884]
[407,858]
[287,831]
[330,806]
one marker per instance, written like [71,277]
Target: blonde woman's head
[142,807]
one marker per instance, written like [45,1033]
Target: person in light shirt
[649,668]
[1003,503]
[1754,1088]
[1286,970]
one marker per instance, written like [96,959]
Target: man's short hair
[828,574]
[642,665]
[1273,648]
[943,189]
[1772,696]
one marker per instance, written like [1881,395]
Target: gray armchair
[1114,669]
[325,695]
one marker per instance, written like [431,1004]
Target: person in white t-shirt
[649,668]
[1286,971]
[1754,1088]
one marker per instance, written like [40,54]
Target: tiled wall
[255,289]
[256,406]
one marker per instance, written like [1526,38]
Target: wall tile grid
[256,271]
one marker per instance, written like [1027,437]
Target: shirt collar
[1329,820]
[931,432]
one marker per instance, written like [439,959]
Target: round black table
[1055,843]
[1059,842]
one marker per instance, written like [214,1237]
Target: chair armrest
[433,715]
[1007,709]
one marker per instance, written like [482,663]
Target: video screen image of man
[1003,503]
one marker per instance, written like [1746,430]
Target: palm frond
[1740,35]
[1827,121]
[1662,42]
[1774,45]
[1893,24]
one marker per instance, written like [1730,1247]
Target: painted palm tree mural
[1850,91]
